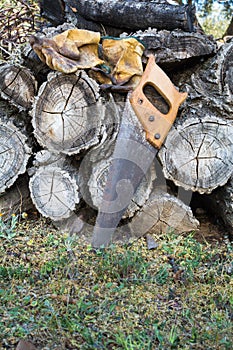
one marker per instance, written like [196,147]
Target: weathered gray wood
[162,213]
[18,85]
[198,153]
[135,15]
[67,113]
[14,154]
[54,192]
[175,47]
[16,199]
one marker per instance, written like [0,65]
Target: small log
[175,47]
[18,85]
[198,153]
[67,113]
[163,212]
[14,154]
[135,15]
[54,191]
[16,199]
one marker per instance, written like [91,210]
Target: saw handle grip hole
[156,99]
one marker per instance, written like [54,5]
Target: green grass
[61,294]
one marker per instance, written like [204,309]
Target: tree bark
[17,85]
[14,154]
[133,16]
[176,47]
[67,113]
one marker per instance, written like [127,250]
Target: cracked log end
[198,154]
[18,85]
[67,113]
[54,192]
[14,155]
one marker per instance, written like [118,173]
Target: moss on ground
[60,294]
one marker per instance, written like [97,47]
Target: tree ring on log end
[18,85]
[14,155]
[67,113]
[54,193]
[198,154]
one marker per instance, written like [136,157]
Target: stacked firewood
[58,130]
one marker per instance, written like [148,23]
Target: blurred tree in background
[215,16]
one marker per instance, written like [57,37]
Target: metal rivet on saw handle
[151,118]
[157,136]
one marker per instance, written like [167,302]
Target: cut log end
[14,155]
[54,192]
[198,154]
[18,85]
[67,113]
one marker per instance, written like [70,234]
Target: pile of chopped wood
[57,143]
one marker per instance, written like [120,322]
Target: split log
[175,47]
[53,186]
[135,15]
[18,85]
[16,199]
[14,154]
[198,153]
[67,113]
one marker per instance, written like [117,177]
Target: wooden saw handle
[155,123]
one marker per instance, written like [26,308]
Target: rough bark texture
[176,46]
[135,15]
[67,113]
[18,85]
[14,155]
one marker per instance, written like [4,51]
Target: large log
[202,158]
[198,154]
[119,16]
[67,113]
[135,15]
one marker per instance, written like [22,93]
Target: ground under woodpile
[61,294]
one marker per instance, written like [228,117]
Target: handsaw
[134,152]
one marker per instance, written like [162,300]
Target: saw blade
[131,159]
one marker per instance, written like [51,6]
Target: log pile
[62,129]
